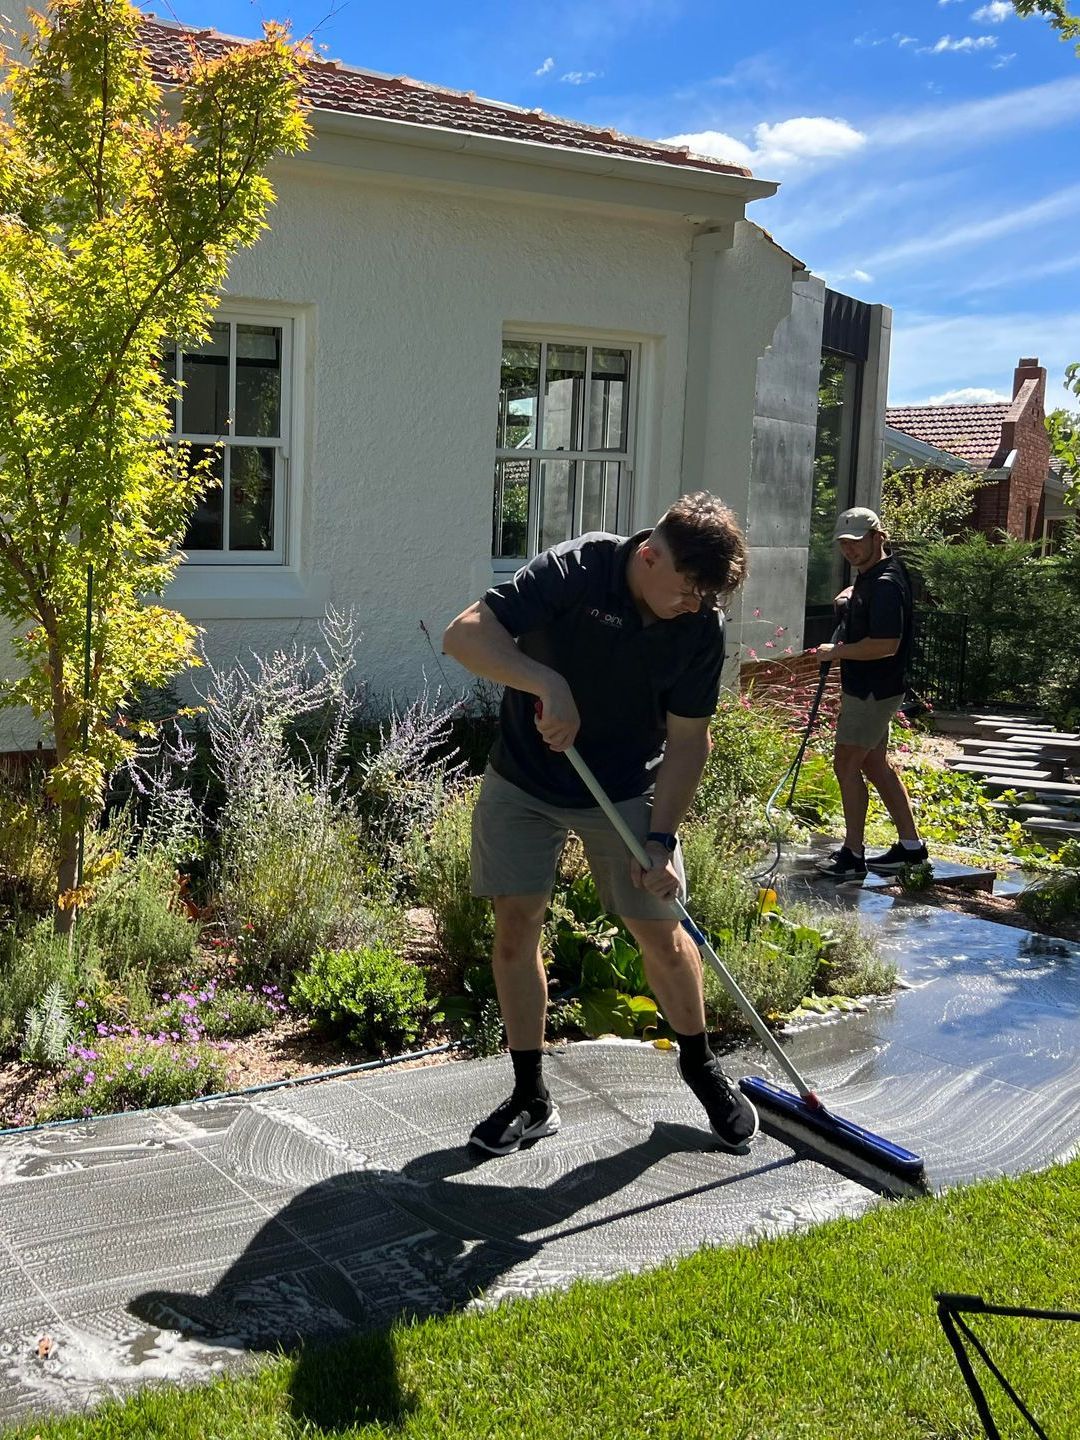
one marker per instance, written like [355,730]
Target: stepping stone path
[1028,755]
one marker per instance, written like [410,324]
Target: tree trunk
[64,916]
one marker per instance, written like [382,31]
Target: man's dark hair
[706,543]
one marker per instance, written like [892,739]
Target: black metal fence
[938,667]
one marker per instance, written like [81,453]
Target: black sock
[694,1052]
[528,1075]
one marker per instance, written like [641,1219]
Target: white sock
[912,844]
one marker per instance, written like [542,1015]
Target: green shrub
[1054,899]
[774,974]
[753,742]
[721,898]
[439,864]
[372,996]
[851,963]
[288,871]
[134,927]
[134,1073]
[30,965]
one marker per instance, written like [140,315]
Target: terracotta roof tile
[971,432]
[333,86]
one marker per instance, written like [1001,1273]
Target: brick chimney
[1024,431]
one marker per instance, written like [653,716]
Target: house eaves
[924,453]
[400,151]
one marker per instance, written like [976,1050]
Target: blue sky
[927,149]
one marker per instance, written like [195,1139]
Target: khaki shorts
[517,841]
[864,723]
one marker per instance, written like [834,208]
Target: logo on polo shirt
[615,621]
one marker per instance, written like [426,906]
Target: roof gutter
[675,187]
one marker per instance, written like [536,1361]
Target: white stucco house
[473,330]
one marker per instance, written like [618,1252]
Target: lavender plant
[289,842]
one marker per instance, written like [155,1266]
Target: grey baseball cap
[856,524]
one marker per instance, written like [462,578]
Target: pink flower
[780,629]
[752,654]
[757,614]
[769,645]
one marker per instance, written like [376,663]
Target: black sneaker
[514,1121]
[733,1119]
[893,860]
[844,867]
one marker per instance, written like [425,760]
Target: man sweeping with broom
[614,645]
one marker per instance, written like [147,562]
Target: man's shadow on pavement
[358,1254]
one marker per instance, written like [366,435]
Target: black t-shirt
[880,607]
[571,609]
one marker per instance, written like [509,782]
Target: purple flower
[80,1004]
[88,1078]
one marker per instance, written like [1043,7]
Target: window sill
[247,592]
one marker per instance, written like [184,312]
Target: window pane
[518,390]
[511,527]
[564,386]
[205,529]
[556,500]
[608,392]
[251,498]
[206,385]
[168,371]
[833,475]
[258,380]
[600,495]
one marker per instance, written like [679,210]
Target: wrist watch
[663,837]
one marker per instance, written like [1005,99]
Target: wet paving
[170,1245]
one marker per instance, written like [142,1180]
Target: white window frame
[283,501]
[540,335]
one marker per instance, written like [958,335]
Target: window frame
[536,456]
[282,445]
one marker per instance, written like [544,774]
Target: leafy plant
[30,965]
[134,930]
[49,1028]
[913,879]
[213,1012]
[476,1010]
[372,996]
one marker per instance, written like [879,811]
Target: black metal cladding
[846,329]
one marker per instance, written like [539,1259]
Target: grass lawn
[829,1335]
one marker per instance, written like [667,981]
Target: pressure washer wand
[731,985]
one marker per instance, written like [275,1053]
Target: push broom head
[873,1161]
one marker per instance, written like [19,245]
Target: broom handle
[731,985]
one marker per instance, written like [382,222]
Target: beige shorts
[517,841]
[864,723]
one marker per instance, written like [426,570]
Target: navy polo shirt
[571,609]
[880,606]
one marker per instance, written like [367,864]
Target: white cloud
[801,140]
[967,44]
[716,144]
[546,67]
[903,40]
[948,2]
[996,13]
[580,77]
[1003,60]
[1062,265]
[965,232]
[862,277]
[969,395]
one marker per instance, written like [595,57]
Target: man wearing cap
[873,656]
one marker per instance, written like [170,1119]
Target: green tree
[118,217]
[922,504]
[1057,12]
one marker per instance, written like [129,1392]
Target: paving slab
[171,1244]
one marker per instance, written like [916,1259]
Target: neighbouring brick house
[1006,441]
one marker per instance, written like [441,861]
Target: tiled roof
[331,85]
[971,432]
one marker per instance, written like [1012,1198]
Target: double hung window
[564,455]
[234,404]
